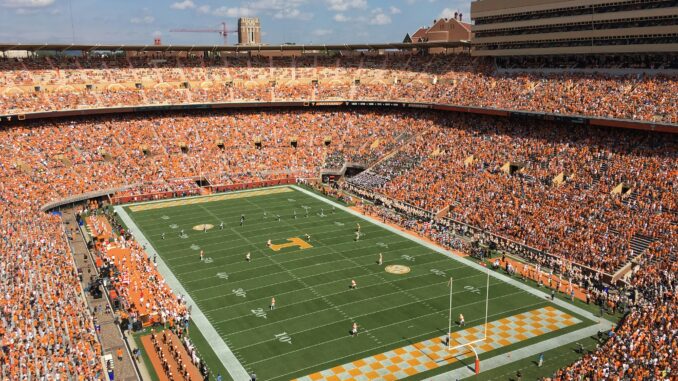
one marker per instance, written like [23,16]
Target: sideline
[223,352]
[238,372]
[499,360]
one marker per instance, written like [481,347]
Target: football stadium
[492,197]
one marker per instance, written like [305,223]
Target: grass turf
[308,330]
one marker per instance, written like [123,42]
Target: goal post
[471,343]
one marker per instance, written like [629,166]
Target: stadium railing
[213,188]
[85,196]
[10,119]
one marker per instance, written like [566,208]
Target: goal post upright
[487,301]
[470,345]
[449,322]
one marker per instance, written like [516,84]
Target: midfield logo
[291,242]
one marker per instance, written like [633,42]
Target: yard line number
[473,290]
[260,313]
[284,338]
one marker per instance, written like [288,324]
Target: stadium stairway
[401,141]
[594,183]
[110,337]
[630,199]
[640,243]
[529,178]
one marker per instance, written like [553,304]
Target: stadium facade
[549,27]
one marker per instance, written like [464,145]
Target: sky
[139,21]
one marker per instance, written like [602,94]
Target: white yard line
[388,325]
[264,239]
[357,277]
[388,345]
[196,217]
[238,372]
[465,261]
[226,356]
[339,305]
[318,256]
[315,274]
[294,276]
[520,353]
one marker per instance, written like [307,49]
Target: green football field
[309,329]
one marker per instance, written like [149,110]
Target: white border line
[498,360]
[237,371]
[223,352]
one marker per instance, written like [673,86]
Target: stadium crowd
[89,82]
[496,175]
[643,346]
[46,328]
[504,178]
[163,154]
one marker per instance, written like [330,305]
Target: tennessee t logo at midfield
[291,242]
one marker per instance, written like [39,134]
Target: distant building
[249,31]
[566,27]
[453,29]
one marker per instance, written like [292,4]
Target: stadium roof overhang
[232,48]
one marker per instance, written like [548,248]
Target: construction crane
[223,32]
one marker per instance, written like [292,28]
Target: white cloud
[340,17]
[276,4]
[292,13]
[394,10]
[233,12]
[380,19]
[27,11]
[182,5]
[322,32]
[376,16]
[142,20]
[278,9]
[26,3]
[204,9]
[343,5]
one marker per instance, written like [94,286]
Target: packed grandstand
[78,83]
[587,201]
